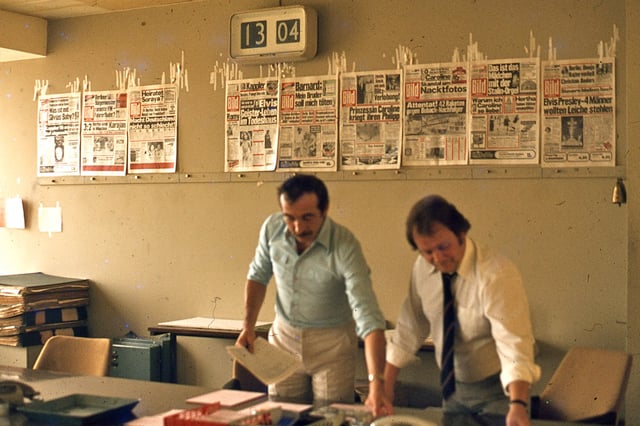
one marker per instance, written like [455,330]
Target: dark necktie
[447,376]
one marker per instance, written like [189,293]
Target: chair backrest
[588,386]
[79,355]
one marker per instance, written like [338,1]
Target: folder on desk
[226,397]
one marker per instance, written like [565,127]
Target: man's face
[442,248]
[303,218]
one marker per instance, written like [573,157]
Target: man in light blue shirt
[324,299]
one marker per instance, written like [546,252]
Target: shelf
[404,174]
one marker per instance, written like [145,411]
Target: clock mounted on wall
[280,34]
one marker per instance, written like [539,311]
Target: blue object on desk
[80,409]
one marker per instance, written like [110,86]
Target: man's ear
[462,238]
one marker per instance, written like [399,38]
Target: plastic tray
[80,409]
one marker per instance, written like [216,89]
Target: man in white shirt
[493,345]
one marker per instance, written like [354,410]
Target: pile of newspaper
[36,306]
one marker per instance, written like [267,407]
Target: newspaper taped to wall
[308,128]
[59,134]
[578,113]
[370,119]
[504,111]
[104,133]
[153,128]
[251,123]
[435,114]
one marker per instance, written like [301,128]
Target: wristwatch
[373,377]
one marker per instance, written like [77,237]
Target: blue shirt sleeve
[261,267]
[357,277]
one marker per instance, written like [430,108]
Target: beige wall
[163,251]
[631,111]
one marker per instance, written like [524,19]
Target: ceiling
[58,9]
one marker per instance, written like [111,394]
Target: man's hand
[517,416]
[378,401]
[246,339]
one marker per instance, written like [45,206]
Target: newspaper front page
[153,128]
[578,113]
[370,119]
[104,133]
[251,120]
[504,111]
[308,128]
[435,114]
[59,134]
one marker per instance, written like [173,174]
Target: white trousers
[328,357]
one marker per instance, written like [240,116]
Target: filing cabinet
[142,358]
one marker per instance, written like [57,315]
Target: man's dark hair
[434,209]
[297,185]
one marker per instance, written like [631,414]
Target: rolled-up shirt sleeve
[507,309]
[357,277]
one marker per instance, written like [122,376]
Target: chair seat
[588,386]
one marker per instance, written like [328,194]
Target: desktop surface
[159,397]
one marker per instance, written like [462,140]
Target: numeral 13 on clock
[253,34]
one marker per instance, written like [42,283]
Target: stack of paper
[36,306]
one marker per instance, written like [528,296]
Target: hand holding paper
[268,363]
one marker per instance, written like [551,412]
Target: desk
[158,397]
[155,397]
[200,327]
[215,328]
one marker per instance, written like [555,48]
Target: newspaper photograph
[578,113]
[370,120]
[104,133]
[153,128]
[504,111]
[435,114]
[251,120]
[308,128]
[59,119]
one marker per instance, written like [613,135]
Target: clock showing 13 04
[280,34]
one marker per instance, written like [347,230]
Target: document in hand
[267,362]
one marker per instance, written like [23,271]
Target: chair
[77,355]
[588,386]
[242,379]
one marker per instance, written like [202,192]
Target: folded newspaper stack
[36,306]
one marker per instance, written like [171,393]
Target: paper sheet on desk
[267,362]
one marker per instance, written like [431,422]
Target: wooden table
[200,327]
